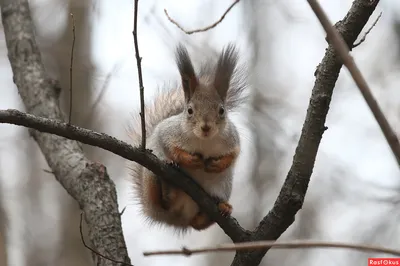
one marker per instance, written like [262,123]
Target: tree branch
[291,196]
[87,182]
[139,70]
[71,65]
[277,245]
[209,27]
[144,158]
[342,49]
[367,32]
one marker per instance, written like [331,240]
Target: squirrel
[188,127]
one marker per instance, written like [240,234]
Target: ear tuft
[186,70]
[225,68]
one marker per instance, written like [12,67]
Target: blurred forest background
[354,193]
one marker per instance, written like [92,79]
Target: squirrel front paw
[217,165]
[196,160]
[187,160]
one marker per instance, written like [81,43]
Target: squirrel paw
[217,165]
[194,160]
[225,208]
[201,221]
[186,159]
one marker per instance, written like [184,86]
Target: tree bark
[87,182]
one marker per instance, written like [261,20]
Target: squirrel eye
[190,110]
[221,111]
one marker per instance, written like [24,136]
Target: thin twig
[71,67]
[368,31]
[139,69]
[94,251]
[205,28]
[122,212]
[272,244]
[343,51]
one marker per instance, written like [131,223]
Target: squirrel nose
[205,128]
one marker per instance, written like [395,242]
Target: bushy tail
[167,103]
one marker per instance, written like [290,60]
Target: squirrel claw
[172,163]
[225,208]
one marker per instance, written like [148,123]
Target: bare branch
[87,182]
[139,69]
[71,68]
[368,31]
[277,245]
[205,28]
[291,196]
[343,51]
[144,158]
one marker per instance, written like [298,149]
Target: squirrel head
[205,109]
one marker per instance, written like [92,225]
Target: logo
[383,261]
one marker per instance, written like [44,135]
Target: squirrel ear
[186,70]
[224,70]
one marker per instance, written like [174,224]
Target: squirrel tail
[167,102]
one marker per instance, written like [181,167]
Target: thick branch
[145,158]
[291,196]
[88,183]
